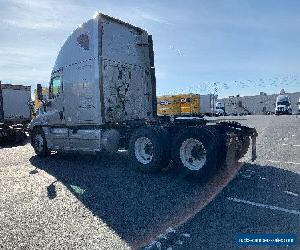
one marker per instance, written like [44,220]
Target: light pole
[1,105]
[214,96]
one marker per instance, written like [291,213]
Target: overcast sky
[236,46]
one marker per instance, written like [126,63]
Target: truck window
[55,87]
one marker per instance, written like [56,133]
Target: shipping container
[168,105]
[182,104]
[185,104]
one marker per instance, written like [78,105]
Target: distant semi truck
[102,97]
[298,105]
[283,105]
[220,109]
[15,112]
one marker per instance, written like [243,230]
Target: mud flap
[253,140]
[231,145]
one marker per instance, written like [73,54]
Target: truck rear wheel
[148,149]
[39,143]
[195,152]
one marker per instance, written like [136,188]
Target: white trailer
[15,112]
[206,104]
[102,96]
[16,100]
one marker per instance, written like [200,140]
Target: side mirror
[30,104]
[46,103]
[39,91]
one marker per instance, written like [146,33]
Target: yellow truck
[182,104]
[37,102]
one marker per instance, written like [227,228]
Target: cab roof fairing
[282,98]
[80,46]
[68,54]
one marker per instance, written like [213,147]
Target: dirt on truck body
[102,97]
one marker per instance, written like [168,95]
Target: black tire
[156,149]
[204,155]
[20,137]
[39,143]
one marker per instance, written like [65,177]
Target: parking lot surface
[89,202]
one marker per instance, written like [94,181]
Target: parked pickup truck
[102,97]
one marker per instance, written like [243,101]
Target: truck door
[81,95]
[57,132]
[81,102]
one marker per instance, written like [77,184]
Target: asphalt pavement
[89,202]
[264,197]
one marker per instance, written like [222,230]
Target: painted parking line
[162,241]
[287,162]
[291,193]
[273,161]
[122,150]
[296,145]
[291,211]
[290,162]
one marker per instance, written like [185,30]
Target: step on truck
[102,97]
[15,112]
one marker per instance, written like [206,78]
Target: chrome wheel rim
[143,150]
[193,154]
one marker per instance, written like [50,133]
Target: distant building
[257,105]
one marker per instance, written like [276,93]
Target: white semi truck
[102,97]
[283,105]
[15,112]
[220,108]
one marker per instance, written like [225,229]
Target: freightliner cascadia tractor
[102,97]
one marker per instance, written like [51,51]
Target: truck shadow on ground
[136,206]
[260,199]
[12,144]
